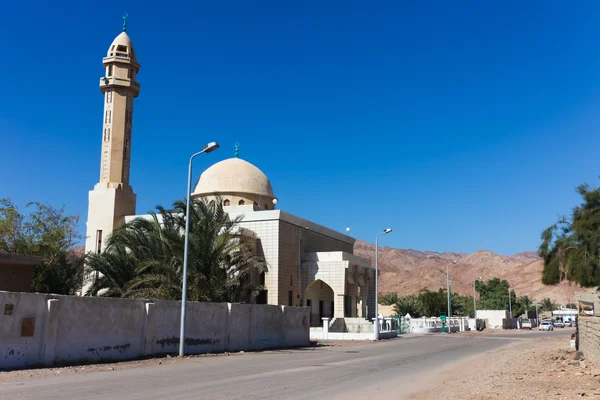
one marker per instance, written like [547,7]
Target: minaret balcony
[112,81]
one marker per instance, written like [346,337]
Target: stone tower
[113,197]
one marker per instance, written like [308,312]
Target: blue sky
[461,125]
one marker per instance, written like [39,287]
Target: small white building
[495,319]
[565,314]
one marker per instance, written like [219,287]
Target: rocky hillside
[408,271]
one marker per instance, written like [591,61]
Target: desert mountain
[408,271]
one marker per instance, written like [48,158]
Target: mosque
[308,264]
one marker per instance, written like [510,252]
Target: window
[98,241]
[109,70]
[107,117]
[261,279]
[129,73]
[122,51]
[291,280]
[241,203]
[266,207]
[255,205]
[291,298]
[309,303]
[226,202]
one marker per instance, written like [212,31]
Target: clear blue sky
[461,125]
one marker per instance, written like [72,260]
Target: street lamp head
[275,201]
[212,146]
[388,230]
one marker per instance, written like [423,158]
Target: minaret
[112,197]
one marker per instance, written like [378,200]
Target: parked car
[568,323]
[526,324]
[546,326]
[559,324]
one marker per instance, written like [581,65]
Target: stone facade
[589,338]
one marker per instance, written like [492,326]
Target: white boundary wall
[43,330]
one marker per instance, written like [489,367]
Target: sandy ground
[535,369]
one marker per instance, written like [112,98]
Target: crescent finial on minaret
[125,16]
[237,150]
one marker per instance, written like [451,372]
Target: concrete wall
[39,329]
[589,338]
[495,319]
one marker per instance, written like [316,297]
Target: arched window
[226,202]
[256,204]
[266,207]
[241,203]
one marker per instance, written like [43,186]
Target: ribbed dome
[121,47]
[233,175]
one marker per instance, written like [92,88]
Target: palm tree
[548,305]
[409,305]
[526,302]
[110,273]
[222,265]
[387,299]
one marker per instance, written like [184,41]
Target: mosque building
[308,264]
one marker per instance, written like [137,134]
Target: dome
[234,175]
[121,47]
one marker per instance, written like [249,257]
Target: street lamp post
[207,149]
[474,297]
[509,305]
[448,288]
[376,325]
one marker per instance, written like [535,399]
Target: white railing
[434,324]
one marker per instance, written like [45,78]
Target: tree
[548,305]
[409,305]
[144,258]
[493,294]
[526,303]
[462,305]
[571,247]
[433,303]
[48,233]
[387,299]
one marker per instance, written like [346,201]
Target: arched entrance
[320,298]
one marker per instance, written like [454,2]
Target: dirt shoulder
[33,373]
[533,369]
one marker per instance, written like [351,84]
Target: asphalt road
[395,368]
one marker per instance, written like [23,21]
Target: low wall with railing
[434,324]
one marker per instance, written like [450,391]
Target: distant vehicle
[559,324]
[526,324]
[568,323]
[546,326]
